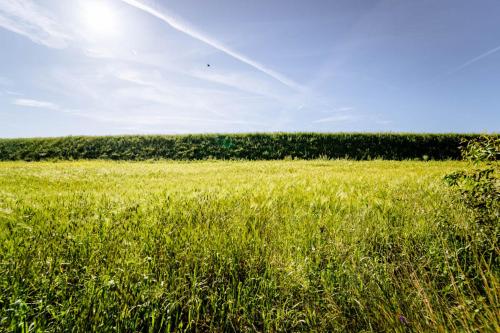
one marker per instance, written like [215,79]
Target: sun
[99,18]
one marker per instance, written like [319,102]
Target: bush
[480,187]
[271,146]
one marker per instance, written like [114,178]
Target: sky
[107,67]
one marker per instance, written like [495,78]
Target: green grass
[241,246]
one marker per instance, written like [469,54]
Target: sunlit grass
[240,246]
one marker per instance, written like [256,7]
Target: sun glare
[99,18]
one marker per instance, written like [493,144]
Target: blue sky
[99,67]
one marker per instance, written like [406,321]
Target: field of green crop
[241,246]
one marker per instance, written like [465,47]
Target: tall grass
[241,246]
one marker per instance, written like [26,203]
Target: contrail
[183,27]
[470,62]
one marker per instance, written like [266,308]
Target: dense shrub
[275,146]
[479,190]
[480,186]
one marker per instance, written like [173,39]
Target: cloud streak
[335,119]
[26,18]
[32,103]
[185,28]
[474,60]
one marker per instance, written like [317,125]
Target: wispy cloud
[12,93]
[185,28]
[335,119]
[26,18]
[242,82]
[130,95]
[154,89]
[474,60]
[162,120]
[6,85]
[33,103]
[337,110]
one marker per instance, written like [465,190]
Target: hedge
[272,146]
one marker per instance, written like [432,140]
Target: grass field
[241,246]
